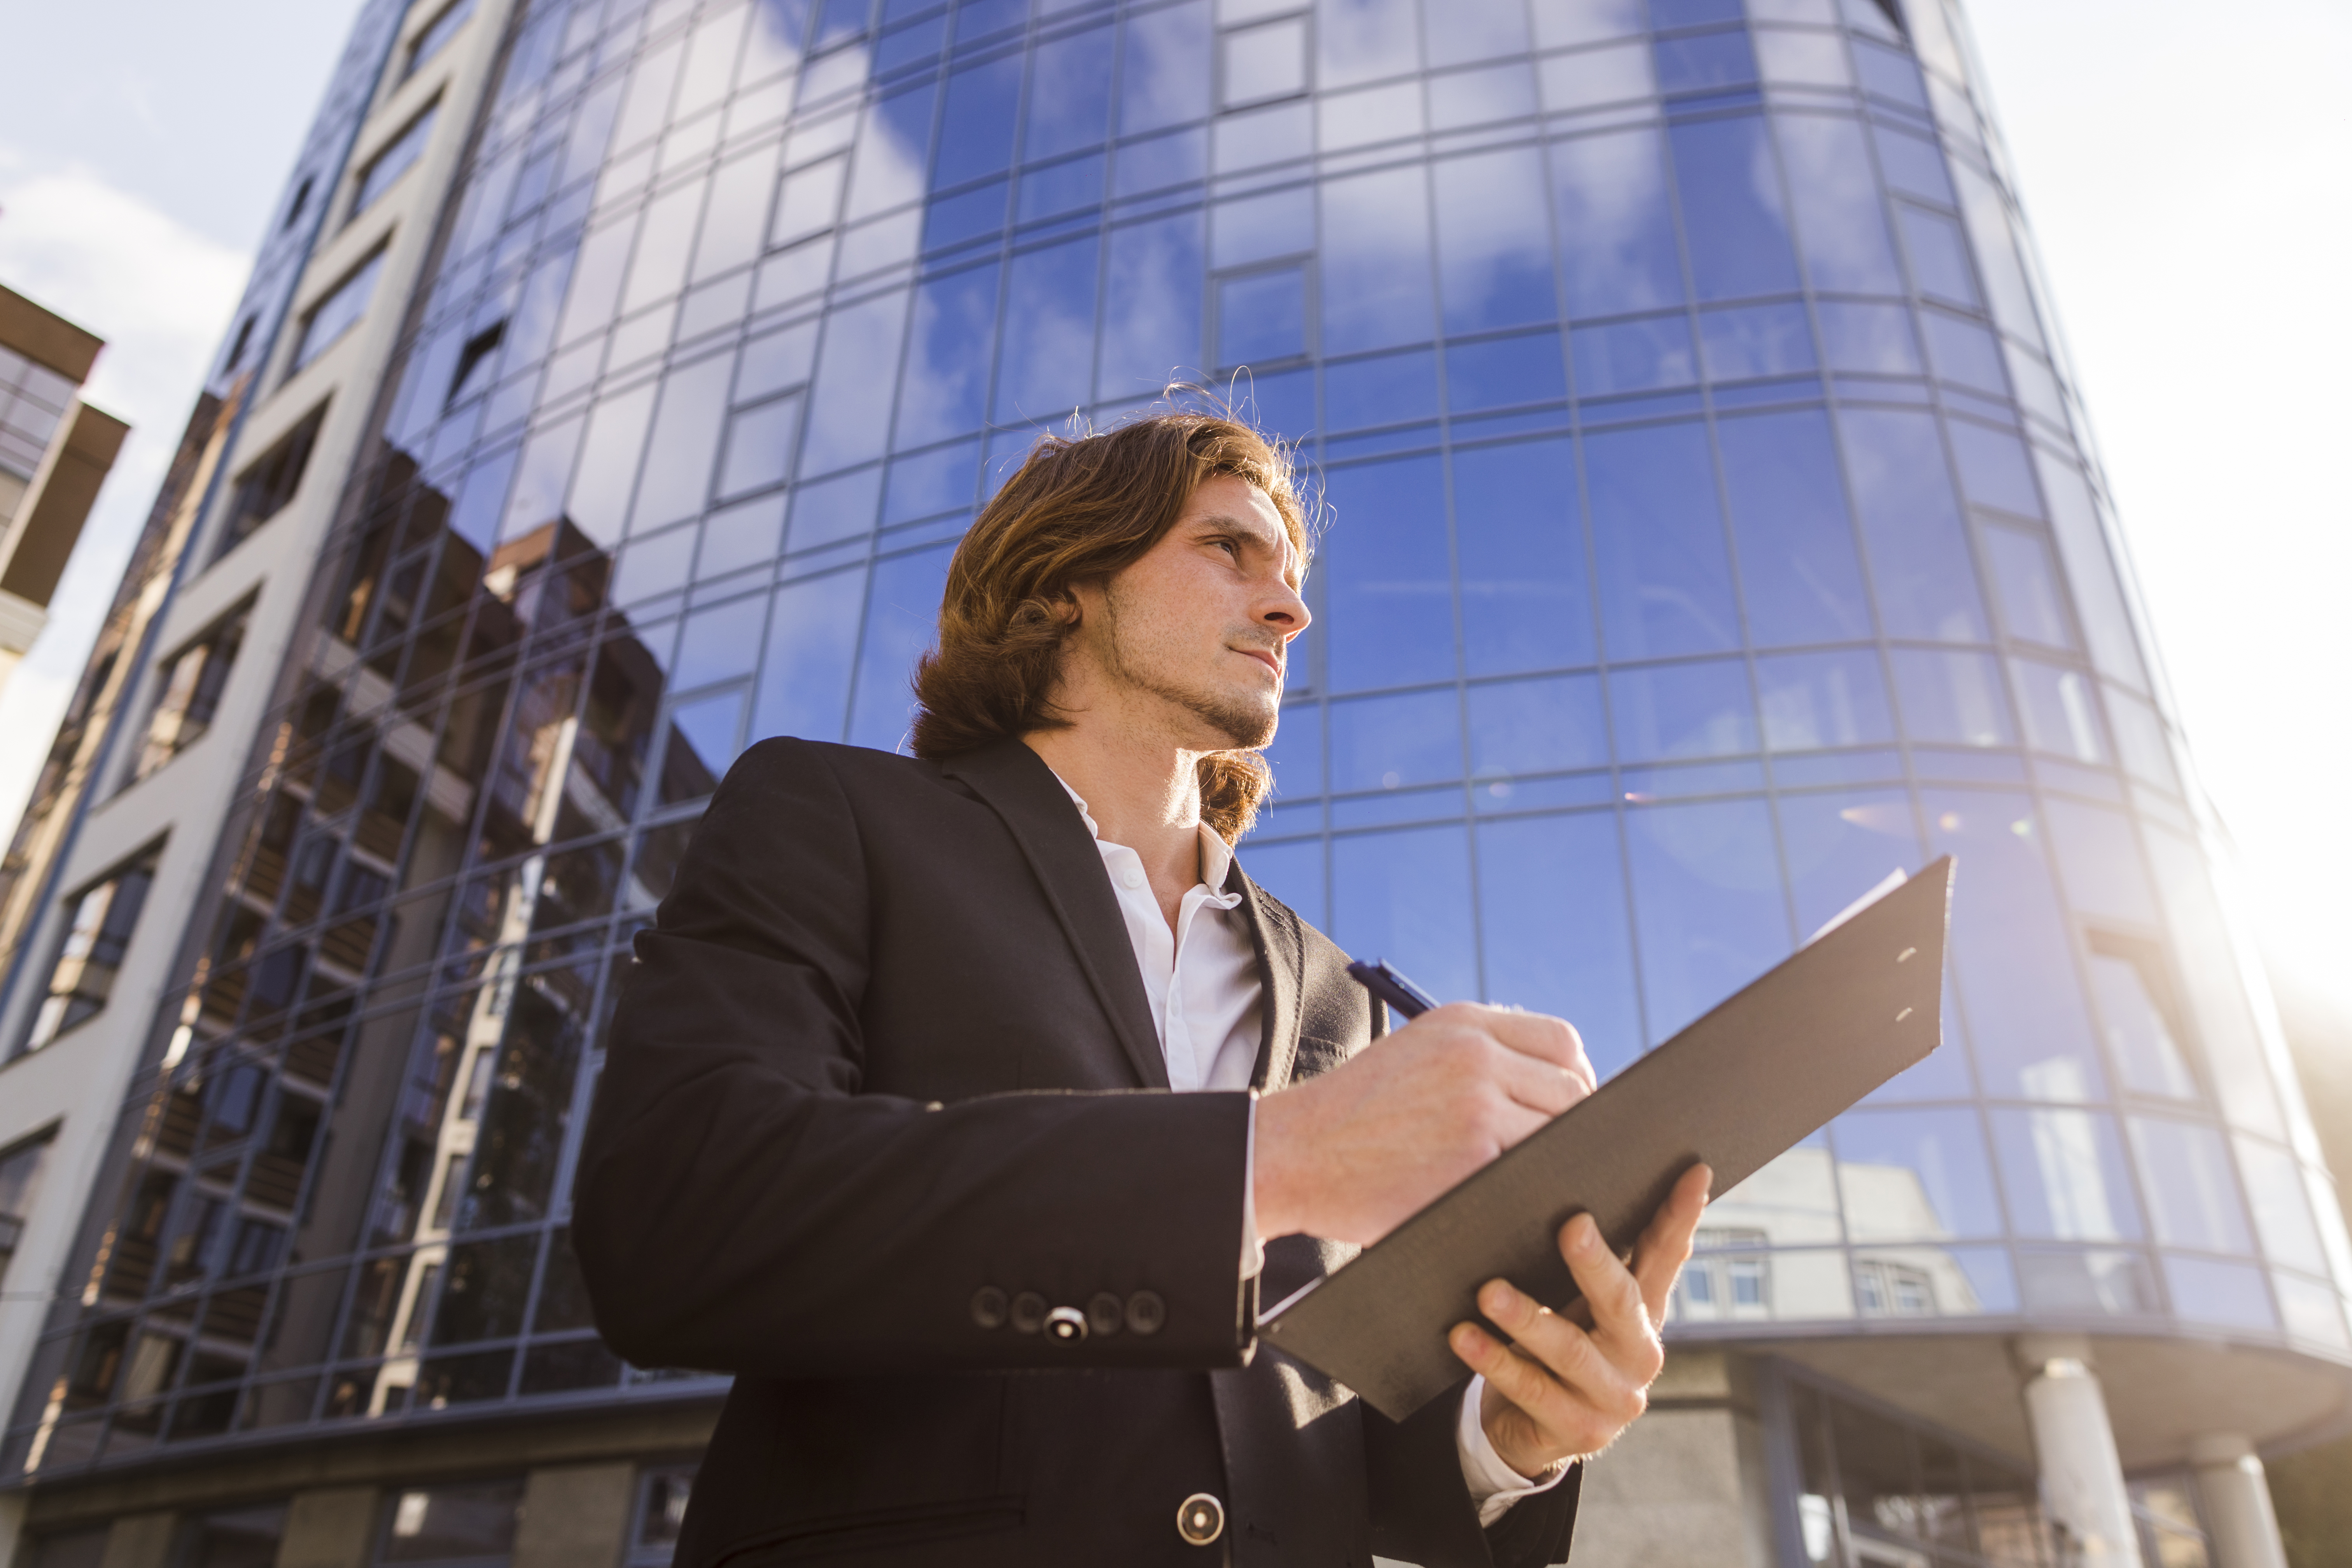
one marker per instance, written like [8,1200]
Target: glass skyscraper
[1711,528]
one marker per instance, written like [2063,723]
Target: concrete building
[1715,530]
[55,451]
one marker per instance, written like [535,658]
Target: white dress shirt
[1201,981]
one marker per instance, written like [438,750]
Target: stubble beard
[1246,725]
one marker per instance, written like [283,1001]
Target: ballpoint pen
[1405,998]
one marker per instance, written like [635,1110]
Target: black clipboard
[1751,1079]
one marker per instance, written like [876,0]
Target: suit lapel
[1282,971]
[1021,789]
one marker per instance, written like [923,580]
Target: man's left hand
[1561,1391]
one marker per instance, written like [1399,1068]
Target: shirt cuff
[1252,1252]
[1494,1485]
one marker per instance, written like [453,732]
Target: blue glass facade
[1710,532]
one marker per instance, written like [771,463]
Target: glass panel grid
[1689,571]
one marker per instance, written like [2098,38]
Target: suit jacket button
[988,1307]
[1105,1314]
[1028,1313]
[1066,1324]
[1147,1314]
[1199,1519]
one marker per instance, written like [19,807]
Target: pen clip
[1405,998]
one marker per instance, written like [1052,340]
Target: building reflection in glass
[1712,535]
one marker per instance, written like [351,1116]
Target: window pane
[947,357]
[1475,30]
[1911,526]
[2114,1284]
[1389,390]
[1940,257]
[1747,340]
[1069,96]
[849,406]
[1364,40]
[2185,1170]
[1817,699]
[2281,1214]
[2064,1173]
[1152,319]
[2207,953]
[1492,241]
[1796,543]
[1166,78]
[1680,711]
[2025,588]
[2011,949]
[338,311]
[1405,897]
[1376,282]
[1868,338]
[1993,467]
[1616,231]
[1502,371]
[1536,727]
[1915,1175]
[1707,905]
[1263,63]
[1966,353]
[2231,1294]
[1394,742]
[2098,595]
[1049,335]
[1292,873]
[2139,1034]
[1552,892]
[1954,698]
[1262,317]
[901,617]
[2060,716]
[1840,221]
[1732,209]
[976,121]
[1525,600]
[1387,579]
[1633,356]
[1665,583]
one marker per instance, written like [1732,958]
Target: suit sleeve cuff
[1494,1485]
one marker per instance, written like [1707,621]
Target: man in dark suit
[966,1106]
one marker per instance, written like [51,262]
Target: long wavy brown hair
[1081,509]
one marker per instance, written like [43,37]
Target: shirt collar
[1216,855]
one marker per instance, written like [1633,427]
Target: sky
[2182,166]
[136,177]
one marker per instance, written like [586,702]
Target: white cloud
[160,296]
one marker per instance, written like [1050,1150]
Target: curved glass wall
[1711,536]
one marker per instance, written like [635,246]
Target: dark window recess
[188,690]
[395,160]
[20,1183]
[437,33]
[300,205]
[244,342]
[475,361]
[98,924]
[231,1538]
[263,490]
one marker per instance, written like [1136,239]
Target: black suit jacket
[883,1070]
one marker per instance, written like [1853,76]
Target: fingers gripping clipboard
[1749,1080]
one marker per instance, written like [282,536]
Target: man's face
[1196,633]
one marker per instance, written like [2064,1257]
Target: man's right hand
[1351,1154]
